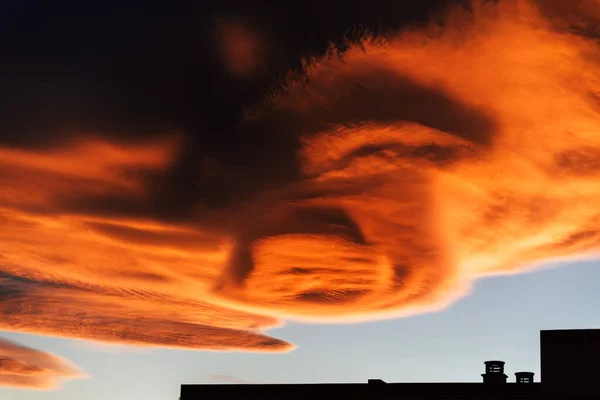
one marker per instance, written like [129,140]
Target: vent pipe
[494,372]
[524,377]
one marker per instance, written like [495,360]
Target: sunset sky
[236,193]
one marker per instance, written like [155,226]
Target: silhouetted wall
[570,360]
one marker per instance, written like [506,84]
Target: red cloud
[23,367]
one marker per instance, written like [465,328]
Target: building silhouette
[570,370]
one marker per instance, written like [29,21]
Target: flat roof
[587,330]
[414,390]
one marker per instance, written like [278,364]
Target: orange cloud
[87,274]
[432,157]
[428,158]
[23,367]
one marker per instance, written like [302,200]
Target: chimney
[494,372]
[524,377]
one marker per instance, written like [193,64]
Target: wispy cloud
[224,378]
[113,348]
[23,367]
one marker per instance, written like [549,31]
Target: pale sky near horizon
[500,319]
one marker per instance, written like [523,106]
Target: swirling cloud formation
[402,169]
[23,367]
[71,268]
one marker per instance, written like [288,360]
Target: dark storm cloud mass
[127,73]
[188,175]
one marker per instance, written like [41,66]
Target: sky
[235,193]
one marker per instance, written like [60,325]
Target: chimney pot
[524,377]
[494,372]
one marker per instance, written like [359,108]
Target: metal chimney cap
[494,362]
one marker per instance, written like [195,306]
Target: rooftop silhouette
[570,368]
